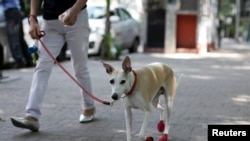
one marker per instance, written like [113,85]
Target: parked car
[124,29]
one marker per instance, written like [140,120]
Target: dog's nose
[115,96]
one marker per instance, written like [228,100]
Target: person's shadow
[30,135]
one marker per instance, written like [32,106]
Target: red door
[186,31]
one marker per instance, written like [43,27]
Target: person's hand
[34,30]
[69,17]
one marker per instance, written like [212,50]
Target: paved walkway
[214,89]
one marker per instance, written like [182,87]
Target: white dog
[142,87]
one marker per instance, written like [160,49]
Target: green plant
[118,53]
[108,45]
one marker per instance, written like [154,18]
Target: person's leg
[54,41]
[13,19]
[77,40]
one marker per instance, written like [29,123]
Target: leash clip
[111,103]
[108,103]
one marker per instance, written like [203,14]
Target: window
[124,15]
[95,12]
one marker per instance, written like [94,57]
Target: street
[214,89]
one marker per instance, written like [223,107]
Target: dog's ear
[126,65]
[109,68]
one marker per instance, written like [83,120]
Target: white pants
[56,34]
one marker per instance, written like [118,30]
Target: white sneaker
[87,116]
[25,122]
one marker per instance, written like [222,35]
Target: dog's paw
[149,139]
[161,126]
[163,137]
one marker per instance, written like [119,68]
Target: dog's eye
[123,82]
[112,81]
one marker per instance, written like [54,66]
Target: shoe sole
[21,125]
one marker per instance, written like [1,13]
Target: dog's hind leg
[169,97]
[167,112]
[157,103]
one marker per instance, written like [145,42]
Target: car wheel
[134,46]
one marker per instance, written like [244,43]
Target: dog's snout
[115,96]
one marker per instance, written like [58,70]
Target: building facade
[180,26]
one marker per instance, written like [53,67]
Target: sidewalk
[214,89]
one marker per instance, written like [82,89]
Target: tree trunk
[106,47]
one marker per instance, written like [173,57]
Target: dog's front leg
[128,118]
[144,125]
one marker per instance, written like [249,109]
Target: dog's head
[120,80]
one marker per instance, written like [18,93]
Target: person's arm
[35,6]
[71,16]
[79,4]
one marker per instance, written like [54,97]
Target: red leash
[42,33]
